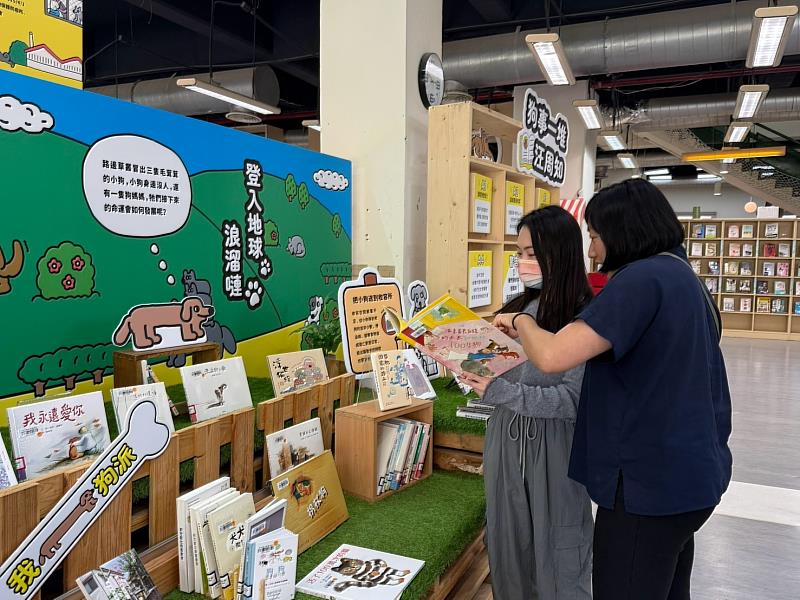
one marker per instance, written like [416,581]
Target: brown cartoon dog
[142,321]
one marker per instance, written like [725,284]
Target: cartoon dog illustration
[314,309]
[142,321]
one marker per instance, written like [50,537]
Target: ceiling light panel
[769,34]
[737,132]
[627,161]
[612,140]
[549,54]
[663,171]
[589,112]
[220,93]
[749,100]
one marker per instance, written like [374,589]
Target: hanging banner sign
[26,570]
[543,141]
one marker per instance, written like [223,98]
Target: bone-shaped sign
[24,572]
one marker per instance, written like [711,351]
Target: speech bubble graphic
[136,187]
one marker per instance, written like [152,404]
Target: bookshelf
[753,275]
[450,191]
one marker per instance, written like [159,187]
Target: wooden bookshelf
[775,324]
[357,445]
[450,165]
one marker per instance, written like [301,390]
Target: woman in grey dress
[539,522]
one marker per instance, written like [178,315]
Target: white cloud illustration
[16,115]
[331,180]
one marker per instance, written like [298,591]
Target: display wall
[109,205]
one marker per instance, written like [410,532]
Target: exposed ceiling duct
[709,34]
[259,83]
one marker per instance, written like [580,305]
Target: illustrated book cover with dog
[215,388]
[125,398]
[57,433]
[315,503]
[399,377]
[295,371]
[355,573]
[289,447]
[121,578]
[457,338]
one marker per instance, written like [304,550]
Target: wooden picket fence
[23,506]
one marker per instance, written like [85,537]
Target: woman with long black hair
[539,522]
[651,440]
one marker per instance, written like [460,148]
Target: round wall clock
[431,79]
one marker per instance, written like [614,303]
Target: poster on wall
[43,39]
[543,141]
[169,229]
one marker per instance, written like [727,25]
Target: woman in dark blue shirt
[651,439]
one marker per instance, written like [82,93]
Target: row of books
[746,230]
[736,250]
[402,448]
[744,286]
[775,306]
[743,268]
[475,409]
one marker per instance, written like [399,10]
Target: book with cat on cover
[295,371]
[457,338]
[289,447]
[355,573]
[399,378]
[215,388]
[58,433]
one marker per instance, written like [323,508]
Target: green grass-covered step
[433,521]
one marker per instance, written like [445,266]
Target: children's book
[695,264]
[768,269]
[57,433]
[697,249]
[746,305]
[713,267]
[206,574]
[747,250]
[779,306]
[125,398]
[735,250]
[747,231]
[746,268]
[226,525]
[769,250]
[727,304]
[273,562]
[780,288]
[710,231]
[782,269]
[762,286]
[730,286]
[459,339]
[697,230]
[121,578]
[399,378]
[771,230]
[745,286]
[265,521]
[295,371]
[712,285]
[289,447]
[733,231]
[762,305]
[731,267]
[315,502]
[215,388]
[784,250]
[711,249]
[355,573]
[7,477]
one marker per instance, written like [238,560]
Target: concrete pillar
[371,114]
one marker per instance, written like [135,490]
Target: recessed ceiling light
[549,53]
[589,112]
[724,172]
[769,34]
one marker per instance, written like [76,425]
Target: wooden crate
[126,362]
[458,452]
[23,506]
[357,441]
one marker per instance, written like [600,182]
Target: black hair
[558,246]
[634,220]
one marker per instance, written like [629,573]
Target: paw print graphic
[253,293]
[265,268]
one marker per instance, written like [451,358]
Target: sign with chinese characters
[543,141]
[480,279]
[364,328]
[481,220]
[512,285]
[515,206]
[26,570]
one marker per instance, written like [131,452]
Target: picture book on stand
[266,521]
[355,573]
[399,377]
[272,561]
[121,578]
[215,388]
[206,572]
[295,371]
[289,447]
[57,433]
[7,477]
[125,398]
[226,525]
[457,338]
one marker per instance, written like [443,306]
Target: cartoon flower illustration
[54,265]
[78,263]
[68,282]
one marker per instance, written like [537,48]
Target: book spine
[210,561]
[243,564]
[183,579]
[423,451]
[396,470]
[392,458]
[413,448]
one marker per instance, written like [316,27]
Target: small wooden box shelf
[126,362]
[357,445]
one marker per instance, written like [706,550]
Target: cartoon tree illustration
[98,360]
[68,359]
[12,267]
[335,271]
[303,196]
[16,53]
[65,271]
[271,237]
[291,187]
[336,225]
[33,373]
[67,364]
[330,310]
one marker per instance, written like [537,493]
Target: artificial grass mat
[444,419]
[433,521]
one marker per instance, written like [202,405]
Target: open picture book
[457,338]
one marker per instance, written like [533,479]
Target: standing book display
[7,477]
[294,445]
[295,371]
[124,399]
[399,377]
[215,388]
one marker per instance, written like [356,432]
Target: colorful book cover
[735,250]
[732,268]
[265,521]
[512,284]
[697,249]
[780,288]
[762,286]
[697,230]
[746,268]
[274,566]
[57,433]
[730,286]
[515,203]
[7,477]
[733,231]
[782,269]
[121,578]
[727,304]
[747,250]
[762,305]
[747,231]
[481,221]
[480,278]
[768,269]
[770,250]
[712,285]
[695,264]
[459,339]
[295,371]
[226,525]
[387,435]
[125,398]
[779,306]
[542,197]
[711,231]
[355,573]
[784,250]
[399,378]
[745,286]
[215,388]
[289,447]
[315,502]
[797,307]
[711,249]
[713,267]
